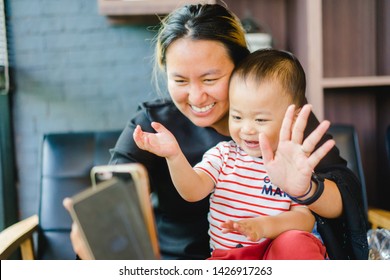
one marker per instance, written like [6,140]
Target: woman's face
[198,73]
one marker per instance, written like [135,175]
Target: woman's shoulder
[161,110]
[157,104]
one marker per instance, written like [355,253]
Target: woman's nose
[196,94]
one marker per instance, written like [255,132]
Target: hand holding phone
[115,216]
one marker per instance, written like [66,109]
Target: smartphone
[115,215]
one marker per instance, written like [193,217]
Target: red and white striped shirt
[242,190]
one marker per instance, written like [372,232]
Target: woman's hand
[79,246]
[162,143]
[292,164]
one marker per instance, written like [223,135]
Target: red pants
[290,245]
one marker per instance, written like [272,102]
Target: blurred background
[84,65]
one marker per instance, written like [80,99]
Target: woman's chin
[202,121]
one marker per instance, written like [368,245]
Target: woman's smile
[202,110]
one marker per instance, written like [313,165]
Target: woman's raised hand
[290,167]
[161,143]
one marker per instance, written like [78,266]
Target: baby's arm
[299,218]
[192,185]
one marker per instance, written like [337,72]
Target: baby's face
[256,108]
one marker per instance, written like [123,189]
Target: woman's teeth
[203,109]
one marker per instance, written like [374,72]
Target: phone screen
[112,221]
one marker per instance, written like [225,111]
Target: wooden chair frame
[19,235]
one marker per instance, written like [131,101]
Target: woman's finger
[67,203]
[78,244]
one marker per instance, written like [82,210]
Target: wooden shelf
[344,47]
[356,82]
[141,7]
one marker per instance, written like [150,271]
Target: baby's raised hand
[161,143]
[290,167]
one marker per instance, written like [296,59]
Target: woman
[198,47]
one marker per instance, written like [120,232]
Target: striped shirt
[242,190]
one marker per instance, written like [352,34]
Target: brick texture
[71,70]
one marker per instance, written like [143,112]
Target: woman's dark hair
[270,64]
[202,22]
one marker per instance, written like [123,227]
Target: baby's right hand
[162,143]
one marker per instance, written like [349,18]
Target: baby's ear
[298,109]
[296,112]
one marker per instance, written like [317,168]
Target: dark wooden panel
[358,107]
[383,39]
[383,113]
[297,23]
[269,14]
[349,38]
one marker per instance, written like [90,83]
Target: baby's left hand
[251,228]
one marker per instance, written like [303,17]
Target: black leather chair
[388,143]
[67,159]
[348,143]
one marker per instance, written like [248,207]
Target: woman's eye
[209,81]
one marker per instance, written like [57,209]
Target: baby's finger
[285,130]
[315,137]
[300,124]
[266,149]
[137,136]
[320,153]
[158,127]
[227,226]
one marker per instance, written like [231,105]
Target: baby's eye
[236,117]
[177,81]
[260,120]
